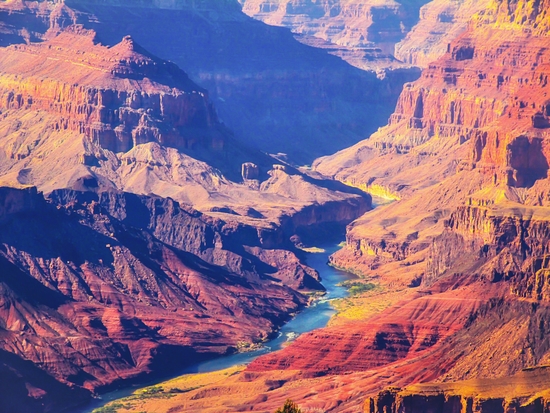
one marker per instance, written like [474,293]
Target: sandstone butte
[464,245]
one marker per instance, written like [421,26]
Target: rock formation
[122,96]
[469,131]
[362,33]
[134,122]
[441,22]
[244,60]
[526,391]
[116,272]
[463,247]
[88,287]
[464,243]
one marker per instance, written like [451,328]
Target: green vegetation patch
[358,287]
[154,392]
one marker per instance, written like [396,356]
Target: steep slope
[465,155]
[472,129]
[441,21]
[270,89]
[120,118]
[465,160]
[86,296]
[526,391]
[362,33]
[102,286]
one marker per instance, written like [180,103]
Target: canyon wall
[86,295]
[101,286]
[524,392]
[362,33]
[440,23]
[112,111]
[120,118]
[464,242]
[472,126]
[265,84]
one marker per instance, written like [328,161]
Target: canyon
[120,118]
[105,288]
[459,252]
[464,160]
[380,36]
[361,33]
[264,83]
[152,211]
[136,227]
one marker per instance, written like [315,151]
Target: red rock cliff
[119,97]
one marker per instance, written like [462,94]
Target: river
[310,318]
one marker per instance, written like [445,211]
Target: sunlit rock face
[117,275]
[465,160]
[475,121]
[441,21]
[270,89]
[484,396]
[121,97]
[363,33]
[343,22]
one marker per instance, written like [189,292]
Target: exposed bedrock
[342,22]
[465,159]
[239,248]
[118,118]
[441,21]
[268,88]
[361,33]
[112,109]
[92,295]
[393,402]
[505,245]
[472,129]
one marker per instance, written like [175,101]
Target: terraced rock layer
[465,160]
[121,118]
[526,391]
[103,286]
[91,295]
[440,23]
[362,33]
[471,130]
[245,59]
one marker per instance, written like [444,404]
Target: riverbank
[315,316]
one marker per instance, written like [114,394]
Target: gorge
[160,188]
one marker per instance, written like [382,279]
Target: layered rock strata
[464,158]
[102,286]
[123,119]
[122,96]
[362,33]
[91,295]
[527,391]
[473,122]
[244,60]
[440,23]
